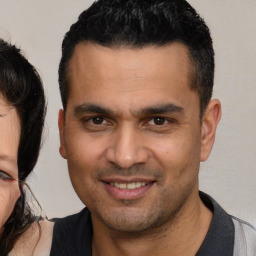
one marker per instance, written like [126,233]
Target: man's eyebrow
[161,109]
[92,108]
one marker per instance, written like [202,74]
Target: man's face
[132,134]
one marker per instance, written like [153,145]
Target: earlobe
[210,122]
[61,121]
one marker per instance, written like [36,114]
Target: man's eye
[158,121]
[96,123]
[97,120]
[5,176]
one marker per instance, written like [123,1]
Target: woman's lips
[128,190]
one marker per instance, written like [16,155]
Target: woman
[22,113]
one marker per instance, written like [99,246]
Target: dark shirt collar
[220,237]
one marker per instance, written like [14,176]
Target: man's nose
[127,148]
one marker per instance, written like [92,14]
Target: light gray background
[229,174]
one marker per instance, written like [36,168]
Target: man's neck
[180,236]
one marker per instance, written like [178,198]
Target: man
[136,80]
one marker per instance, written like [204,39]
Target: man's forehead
[92,63]
[91,54]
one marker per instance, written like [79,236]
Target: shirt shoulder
[72,235]
[245,238]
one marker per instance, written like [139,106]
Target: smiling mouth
[128,190]
[128,186]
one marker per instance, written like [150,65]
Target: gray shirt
[245,238]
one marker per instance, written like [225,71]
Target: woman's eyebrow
[7,112]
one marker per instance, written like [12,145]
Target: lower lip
[127,194]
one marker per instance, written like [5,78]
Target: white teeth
[131,185]
[122,186]
[128,186]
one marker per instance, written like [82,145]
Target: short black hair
[140,23]
[22,88]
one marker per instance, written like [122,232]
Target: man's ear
[210,121]
[61,122]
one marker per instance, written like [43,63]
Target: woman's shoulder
[35,241]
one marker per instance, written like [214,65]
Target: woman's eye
[5,176]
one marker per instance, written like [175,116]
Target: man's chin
[131,220]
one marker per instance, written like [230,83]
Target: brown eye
[159,121]
[97,120]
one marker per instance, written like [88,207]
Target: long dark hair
[22,87]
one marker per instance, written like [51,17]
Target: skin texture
[131,117]
[35,241]
[9,142]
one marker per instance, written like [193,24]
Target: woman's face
[9,142]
